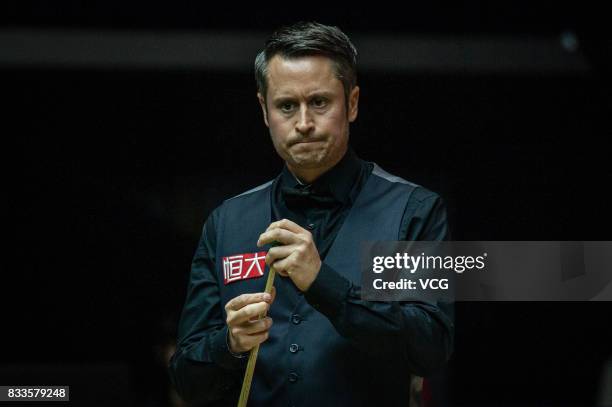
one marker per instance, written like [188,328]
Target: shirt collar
[338,182]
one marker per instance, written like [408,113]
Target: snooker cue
[250,369]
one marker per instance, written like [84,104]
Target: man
[321,344]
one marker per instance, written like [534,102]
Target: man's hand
[297,257]
[246,321]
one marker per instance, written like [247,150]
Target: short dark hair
[307,39]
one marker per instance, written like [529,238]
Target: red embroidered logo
[243,266]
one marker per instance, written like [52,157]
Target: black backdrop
[110,174]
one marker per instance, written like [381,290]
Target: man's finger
[282,266]
[250,311]
[256,339]
[282,236]
[283,273]
[255,327]
[244,299]
[279,252]
[286,224]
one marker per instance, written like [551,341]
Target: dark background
[110,174]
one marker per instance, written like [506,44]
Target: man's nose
[305,123]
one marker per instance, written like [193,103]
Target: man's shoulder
[251,193]
[248,198]
[243,201]
[417,192]
[377,171]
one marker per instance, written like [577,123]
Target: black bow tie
[305,196]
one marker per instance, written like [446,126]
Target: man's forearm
[419,333]
[205,370]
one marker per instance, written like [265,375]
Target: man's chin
[306,165]
[306,154]
[307,162]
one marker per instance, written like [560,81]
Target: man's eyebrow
[289,98]
[282,98]
[320,93]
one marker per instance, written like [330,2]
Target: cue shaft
[250,369]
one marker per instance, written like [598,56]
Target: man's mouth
[307,141]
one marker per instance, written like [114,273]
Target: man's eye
[286,107]
[319,102]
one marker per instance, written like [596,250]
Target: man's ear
[353,106]
[262,103]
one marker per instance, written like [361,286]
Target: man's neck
[306,177]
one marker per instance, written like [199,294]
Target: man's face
[306,113]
